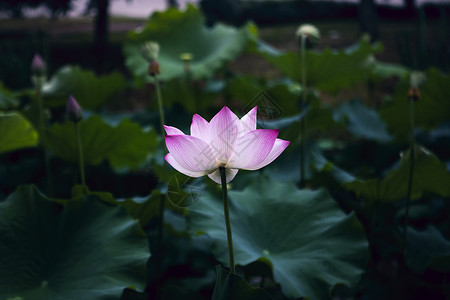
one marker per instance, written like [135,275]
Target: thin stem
[42,136]
[160,104]
[80,156]
[411,172]
[226,212]
[159,250]
[303,121]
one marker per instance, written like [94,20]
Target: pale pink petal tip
[252,148]
[170,130]
[278,148]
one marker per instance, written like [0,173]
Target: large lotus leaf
[321,164]
[16,132]
[91,91]
[126,145]
[274,99]
[362,121]
[7,99]
[329,70]
[427,249]
[229,286]
[310,243]
[382,70]
[430,175]
[430,111]
[84,249]
[193,97]
[180,32]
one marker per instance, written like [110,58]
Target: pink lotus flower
[226,141]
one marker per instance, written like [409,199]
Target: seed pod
[150,51]
[153,68]
[311,33]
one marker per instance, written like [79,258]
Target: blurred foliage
[16,131]
[7,99]
[211,48]
[429,112]
[328,70]
[90,91]
[125,146]
[53,251]
[229,286]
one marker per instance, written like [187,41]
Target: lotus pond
[221,185]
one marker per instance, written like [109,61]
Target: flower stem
[411,172]
[80,156]
[160,105]
[302,106]
[227,219]
[159,250]
[42,136]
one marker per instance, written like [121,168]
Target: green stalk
[226,212]
[160,105]
[42,135]
[303,121]
[80,156]
[159,251]
[411,172]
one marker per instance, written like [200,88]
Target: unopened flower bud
[311,33]
[37,65]
[73,110]
[150,51]
[38,69]
[153,68]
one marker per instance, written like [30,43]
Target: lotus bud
[153,68]
[38,69]
[37,65]
[416,80]
[311,33]
[150,51]
[73,110]
[186,57]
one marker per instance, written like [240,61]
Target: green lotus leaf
[229,286]
[84,249]
[382,70]
[430,175]
[179,32]
[16,132]
[7,99]
[430,111]
[309,242]
[329,70]
[192,97]
[126,145]
[362,121]
[90,91]
[427,249]
[274,99]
